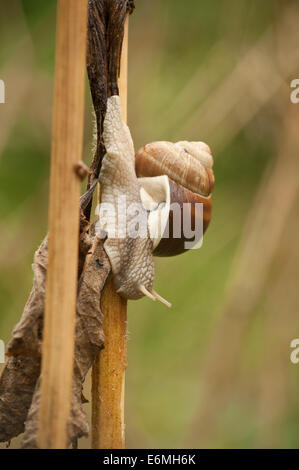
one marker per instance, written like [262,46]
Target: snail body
[131,259]
[160,174]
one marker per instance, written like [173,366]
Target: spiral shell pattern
[187,163]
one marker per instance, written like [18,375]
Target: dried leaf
[89,341]
[18,380]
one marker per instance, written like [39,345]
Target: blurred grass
[180,52]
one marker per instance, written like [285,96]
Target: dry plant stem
[105,35]
[108,377]
[123,79]
[61,287]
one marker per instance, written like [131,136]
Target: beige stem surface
[108,376]
[61,288]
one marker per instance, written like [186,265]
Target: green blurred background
[215,370]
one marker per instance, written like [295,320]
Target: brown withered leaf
[18,380]
[17,386]
[20,375]
[27,334]
[88,342]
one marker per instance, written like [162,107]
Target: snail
[136,196]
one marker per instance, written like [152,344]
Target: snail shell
[188,166]
[187,163]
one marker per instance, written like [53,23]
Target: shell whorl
[187,163]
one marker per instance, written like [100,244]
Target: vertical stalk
[61,286]
[108,375]
[123,79]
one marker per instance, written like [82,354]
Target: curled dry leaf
[89,340]
[22,370]
[17,386]
[19,383]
